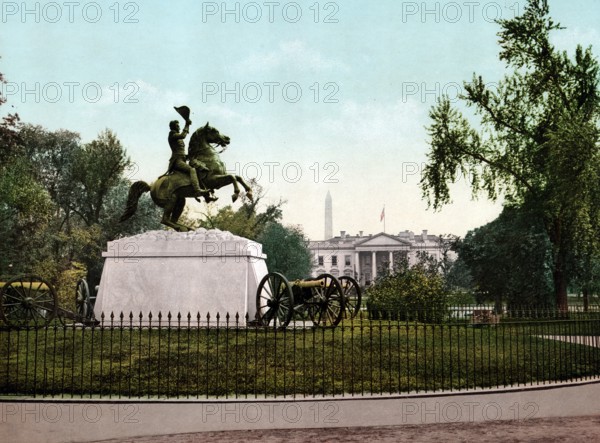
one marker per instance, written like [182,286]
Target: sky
[316,96]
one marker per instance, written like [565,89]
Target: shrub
[409,293]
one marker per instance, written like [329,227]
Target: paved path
[588,340]
[571,429]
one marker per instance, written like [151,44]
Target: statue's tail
[135,192]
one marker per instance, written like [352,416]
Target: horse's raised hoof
[234,197]
[250,196]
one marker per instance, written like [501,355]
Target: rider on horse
[171,190]
[177,162]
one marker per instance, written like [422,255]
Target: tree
[541,117]
[24,206]
[25,211]
[52,154]
[9,138]
[96,169]
[509,260]
[80,189]
[247,221]
[60,200]
[287,250]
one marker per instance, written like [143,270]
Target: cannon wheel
[83,306]
[27,300]
[352,295]
[83,302]
[274,301]
[326,307]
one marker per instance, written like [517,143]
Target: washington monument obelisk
[328,217]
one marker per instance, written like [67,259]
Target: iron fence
[225,356]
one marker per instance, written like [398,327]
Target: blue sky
[316,96]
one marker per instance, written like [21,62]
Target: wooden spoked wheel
[274,301]
[83,302]
[27,301]
[352,295]
[326,305]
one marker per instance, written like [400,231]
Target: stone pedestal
[181,272]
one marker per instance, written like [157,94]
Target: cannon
[323,300]
[31,301]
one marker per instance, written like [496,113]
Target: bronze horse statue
[170,190]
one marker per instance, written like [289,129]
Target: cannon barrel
[309,283]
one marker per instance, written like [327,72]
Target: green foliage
[9,138]
[542,115]
[287,250]
[67,284]
[247,221]
[510,259]
[240,222]
[459,278]
[25,209]
[409,292]
[459,297]
[59,204]
[60,201]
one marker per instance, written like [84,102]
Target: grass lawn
[357,357]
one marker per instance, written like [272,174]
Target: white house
[361,256]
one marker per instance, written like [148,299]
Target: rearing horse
[170,190]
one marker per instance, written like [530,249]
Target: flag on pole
[382,216]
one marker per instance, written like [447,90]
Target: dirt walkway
[572,429]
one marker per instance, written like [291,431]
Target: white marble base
[206,272]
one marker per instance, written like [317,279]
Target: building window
[321,260]
[347,260]
[334,260]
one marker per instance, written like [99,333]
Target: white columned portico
[357,265]
[391,261]
[373,265]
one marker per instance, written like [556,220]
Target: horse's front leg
[247,188]
[236,188]
[218,181]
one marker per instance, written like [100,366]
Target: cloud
[292,55]
[568,39]
[160,100]
[387,126]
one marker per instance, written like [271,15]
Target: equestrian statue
[199,177]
